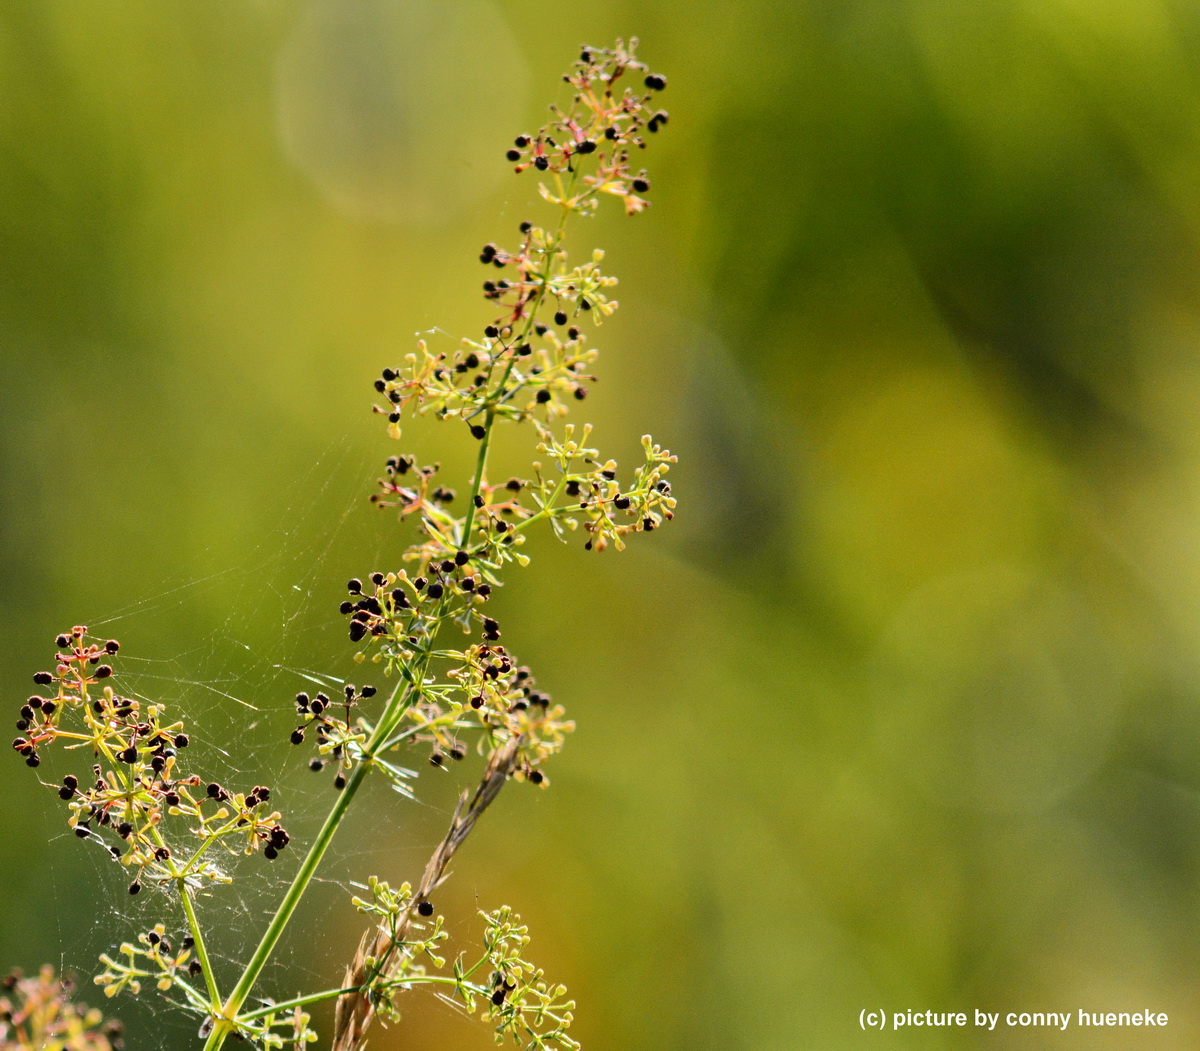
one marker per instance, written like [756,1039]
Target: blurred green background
[900,712]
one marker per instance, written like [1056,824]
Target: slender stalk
[331,994]
[530,319]
[189,908]
[297,1001]
[224,1023]
[480,469]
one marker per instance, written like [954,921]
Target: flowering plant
[172,828]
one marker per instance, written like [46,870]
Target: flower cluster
[530,365]
[502,700]
[523,363]
[533,359]
[483,689]
[153,957]
[511,992]
[136,795]
[584,490]
[337,734]
[38,1012]
[402,613]
[602,122]
[518,999]
[411,937]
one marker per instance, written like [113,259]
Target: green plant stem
[530,319]
[331,994]
[480,468]
[224,1023]
[189,909]
[299,1001]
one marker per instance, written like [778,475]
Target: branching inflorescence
[169,827]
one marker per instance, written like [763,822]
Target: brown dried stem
[380,954]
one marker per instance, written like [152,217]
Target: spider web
[236,698]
